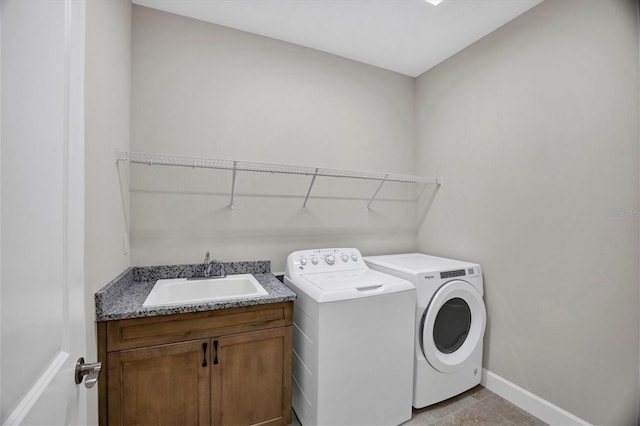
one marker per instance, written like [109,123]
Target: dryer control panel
[324,260]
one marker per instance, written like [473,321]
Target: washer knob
[303,261]
[344,257]
[330,259]
[314,260]
[354,257]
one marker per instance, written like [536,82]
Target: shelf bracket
[432,197]
[233,183]
[120,155]
[313,180]
[375,194]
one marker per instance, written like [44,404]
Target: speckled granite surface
[153,273]
[122,298]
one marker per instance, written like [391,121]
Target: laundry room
[517,154]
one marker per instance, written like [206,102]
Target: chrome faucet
[208,267]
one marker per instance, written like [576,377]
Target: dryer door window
[452,325]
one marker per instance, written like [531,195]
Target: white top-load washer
[353,340]
[450,322]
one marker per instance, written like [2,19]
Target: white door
[42,211]
[453,325]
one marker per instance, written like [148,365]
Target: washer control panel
[325,260]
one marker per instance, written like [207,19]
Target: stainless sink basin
[183,290]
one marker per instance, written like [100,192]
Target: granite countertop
[122,298]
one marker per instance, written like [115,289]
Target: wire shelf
[249,166]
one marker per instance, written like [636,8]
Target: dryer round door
[453,325]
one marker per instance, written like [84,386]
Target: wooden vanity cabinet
[249,379]
[222,367]
[165,384]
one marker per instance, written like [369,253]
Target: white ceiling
[406,36]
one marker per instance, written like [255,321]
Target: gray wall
[199,89]
[535,129]
[107,116]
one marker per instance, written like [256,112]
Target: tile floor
[478,406]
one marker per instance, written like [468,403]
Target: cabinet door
[161,385]
[252,378]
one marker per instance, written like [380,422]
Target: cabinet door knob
[204,354]
[215,350]
[90,371]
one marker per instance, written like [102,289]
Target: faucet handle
[207,257]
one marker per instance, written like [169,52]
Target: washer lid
[356,279]
[411,263]
[350,284]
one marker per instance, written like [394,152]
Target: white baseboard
[533,404]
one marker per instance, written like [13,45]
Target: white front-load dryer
[450,322]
